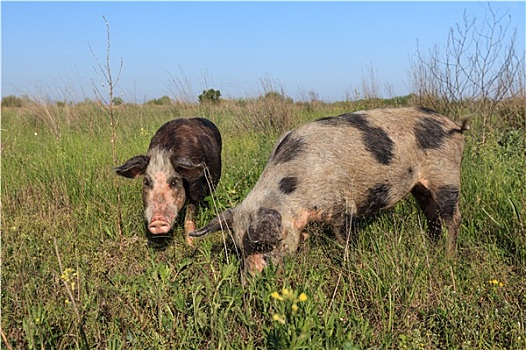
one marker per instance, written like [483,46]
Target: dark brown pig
[335,168]
[182,166]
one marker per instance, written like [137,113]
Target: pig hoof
[256,263]
[190,241]
[189,226]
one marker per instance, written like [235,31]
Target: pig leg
[189,223]
[342,228]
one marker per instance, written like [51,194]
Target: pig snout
[256,263]
[160,217]
[159,225]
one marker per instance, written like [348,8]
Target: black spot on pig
[357,120]
[289,148]
[263,234]
[375,139]
[426,110]
[379,144]
[377,198]
[430,133]
[447,198]
[350,119]
[288,184]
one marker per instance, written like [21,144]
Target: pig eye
[146,182]
[174,182]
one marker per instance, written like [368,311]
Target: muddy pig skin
[181,167]
[356,164]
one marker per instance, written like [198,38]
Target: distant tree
[88,102]
[163,101]
[210,95]
[276,96]
[12,101]
[117,101]
[273,95]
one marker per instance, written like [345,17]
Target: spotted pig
[182,166]
[356,164]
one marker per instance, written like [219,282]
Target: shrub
[12,101]
[117,101]
[276,96]
[210,95]
[163,101]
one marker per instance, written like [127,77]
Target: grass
[69,281]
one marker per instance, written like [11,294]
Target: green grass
[390,288]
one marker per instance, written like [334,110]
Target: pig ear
[188,169]
[222,221]
[133,167]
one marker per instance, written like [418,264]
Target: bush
[12,101]
[117,101]
[163,101]
[210,95]
[478,70]
[276,96]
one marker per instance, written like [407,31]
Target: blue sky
[239,48]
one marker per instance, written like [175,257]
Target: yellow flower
[279,318]
[496,283]
[68,274]
[302,297]
[276,295]
[294,308]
